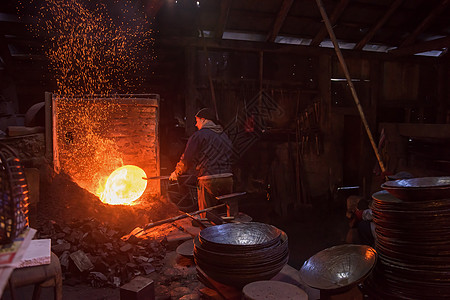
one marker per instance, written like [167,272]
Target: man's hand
[173,177]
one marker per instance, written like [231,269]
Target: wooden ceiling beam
[279,21]
[337,12]
[425,23]
[225,6]
[436,44]
[378,25]
[251,46]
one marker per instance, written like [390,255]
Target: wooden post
[208,70]
[442,81]
[332,133]
[190,100]
[261,73]
[51,138]
[350,83]
[48,126]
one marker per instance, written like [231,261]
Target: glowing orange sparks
[124,186]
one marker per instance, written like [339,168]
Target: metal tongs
[156,177]
[161,178]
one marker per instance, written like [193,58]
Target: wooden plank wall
[405,90]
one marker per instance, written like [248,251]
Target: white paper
[37,253]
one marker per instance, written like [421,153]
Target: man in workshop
[208,151]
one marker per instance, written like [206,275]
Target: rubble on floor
[93,252]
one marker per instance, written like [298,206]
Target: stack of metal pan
[236,254]
[412,240]
[419,189]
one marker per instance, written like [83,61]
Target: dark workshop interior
[338,114]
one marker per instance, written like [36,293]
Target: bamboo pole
[350,83]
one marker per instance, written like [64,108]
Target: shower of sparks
[95,47]
[84,151]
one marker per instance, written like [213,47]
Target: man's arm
[187,158]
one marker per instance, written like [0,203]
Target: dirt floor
[177,280]
[309,230]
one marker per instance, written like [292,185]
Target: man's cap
[206,113]
[401,175]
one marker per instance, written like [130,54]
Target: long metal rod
[185,215]
[350,83]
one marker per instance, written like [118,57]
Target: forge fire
[124,186]
[107,145]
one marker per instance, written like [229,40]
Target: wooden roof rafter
[225,6]
[394,6]
[337,12]
[436,44]
[281,16]
[425,23]
[257,47]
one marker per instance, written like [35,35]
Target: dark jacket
[208,150]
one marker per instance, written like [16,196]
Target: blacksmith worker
[208,152]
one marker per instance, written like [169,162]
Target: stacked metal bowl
[236,254]
[419,189]
[412,240]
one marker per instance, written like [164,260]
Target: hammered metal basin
[239,236]
[421,182]
[236,254]
[245,259]
[419,189]
[338,267]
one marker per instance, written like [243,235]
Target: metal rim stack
[412,240]
[236,254]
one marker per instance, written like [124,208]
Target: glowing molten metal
[124,186]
